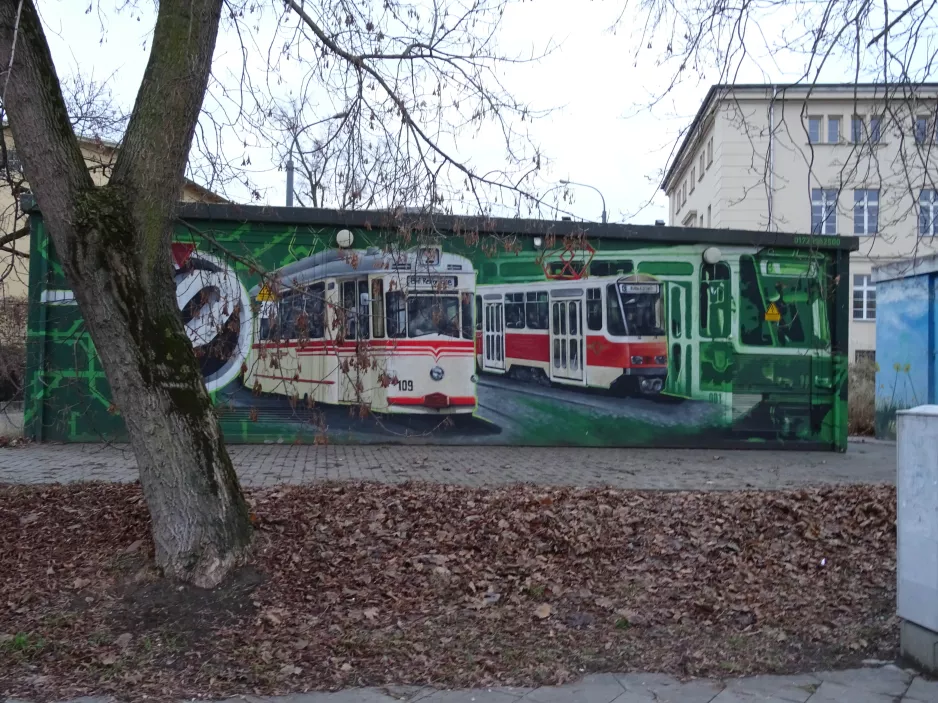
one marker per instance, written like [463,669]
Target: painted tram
[599,332]
[393,330]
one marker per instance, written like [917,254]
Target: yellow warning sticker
[266,294]
[772,314]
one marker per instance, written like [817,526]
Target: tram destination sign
[638,288]
[430,281]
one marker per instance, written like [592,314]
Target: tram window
[611,268]
[715,300]
[466,311]
[349,308]
[270,323]
[642,314]
[362,310]
[397,314]
[377,307]
[433,314]
[293,310]
[311,323]
[537,310]
[594,309]
[614,322]
[514,311]
[675,309]
[478,313]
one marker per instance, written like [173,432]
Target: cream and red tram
[599,332]
[391,330]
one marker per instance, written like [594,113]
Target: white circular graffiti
[217,316]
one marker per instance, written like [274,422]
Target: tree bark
[114,242]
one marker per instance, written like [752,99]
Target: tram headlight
[661,360]
[436,373]
[637,360]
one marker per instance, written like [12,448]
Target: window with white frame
[693,178]
[876,129]
[814,129]
[921,130]
[683,192]
[928,213]
[823,211]
[708,215]
[857,129]
[833,130]
[701,166]
[710,151]
[864,298]
[865,211]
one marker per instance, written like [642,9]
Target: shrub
[12,348]
[861,390]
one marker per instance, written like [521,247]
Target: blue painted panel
[905,346]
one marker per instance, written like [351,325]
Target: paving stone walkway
[880,684]
[669,469]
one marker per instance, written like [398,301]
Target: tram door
[493,333]
[566,341]
[681,338]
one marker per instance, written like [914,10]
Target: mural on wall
[905,348]
[335,335]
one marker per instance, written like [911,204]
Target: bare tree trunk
[114,242]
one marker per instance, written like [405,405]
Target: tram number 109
[405,385]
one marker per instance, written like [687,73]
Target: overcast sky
[599,134]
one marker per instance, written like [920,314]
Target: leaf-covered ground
[369,584]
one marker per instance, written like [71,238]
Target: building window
[866,355]
[856,129]
[823,211]
[928,212]
[865,211]
[814,130]
[833,130]
[677,201]
[708,215]
[876,129]
[921,130]
[693,178]
[710,152]
[701,167]
[864,298]
[683,192]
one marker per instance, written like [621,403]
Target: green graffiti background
[734,376]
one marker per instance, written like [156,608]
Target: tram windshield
[641,305]
[433,314]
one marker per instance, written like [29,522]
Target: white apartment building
[848,159]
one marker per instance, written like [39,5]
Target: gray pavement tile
[666,689]
[888,680]
[469,696]
[762,688]
[596,688]
[922,691]
[739,697]
[830,692]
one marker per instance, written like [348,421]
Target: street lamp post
[585,185]
[296,135]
